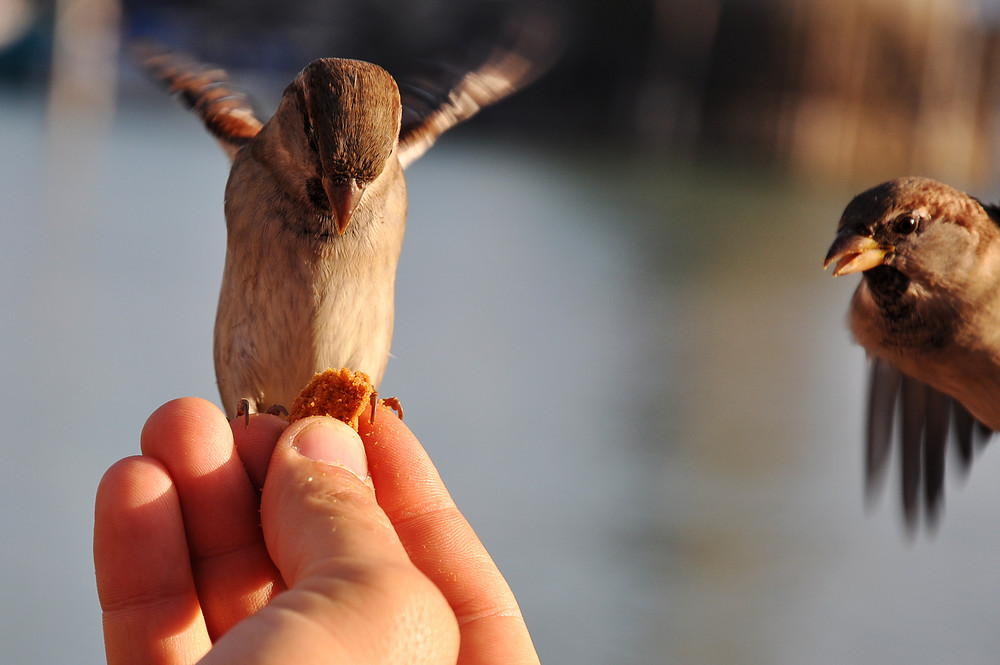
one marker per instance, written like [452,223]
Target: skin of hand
[927,312]
[307,543]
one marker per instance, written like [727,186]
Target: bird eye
[905,225]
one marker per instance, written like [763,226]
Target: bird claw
[391,402]
[277,410]
[243,409]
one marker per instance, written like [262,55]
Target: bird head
[929,257]
[924,230]
[351,117]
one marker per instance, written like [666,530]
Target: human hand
[192,562]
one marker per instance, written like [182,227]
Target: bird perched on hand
[316,210]
[927,311]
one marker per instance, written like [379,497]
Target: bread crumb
[341,394]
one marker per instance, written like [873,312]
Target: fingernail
[333,442]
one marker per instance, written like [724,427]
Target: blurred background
[613,333]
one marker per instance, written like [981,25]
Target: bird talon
[391,402]
[277,410]
[243,409]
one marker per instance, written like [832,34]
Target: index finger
[232,570]
[442,544]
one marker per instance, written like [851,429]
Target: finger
[255,443]
[144,580]
[442,544]
[232,571]
[354,595]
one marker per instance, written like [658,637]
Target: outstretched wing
[928,420]
[225,110]
[436,101]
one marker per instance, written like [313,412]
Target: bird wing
[928,420]
[225,110]
[444,96]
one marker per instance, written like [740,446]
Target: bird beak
[344,197]
[855,253]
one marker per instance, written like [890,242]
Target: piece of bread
[342,394]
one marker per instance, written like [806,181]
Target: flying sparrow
[927,311]
[315,210]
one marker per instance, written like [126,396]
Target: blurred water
[634,379]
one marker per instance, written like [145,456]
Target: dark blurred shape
[888,87]
[848,89]
[851,89]
[25,41]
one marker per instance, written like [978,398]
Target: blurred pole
[84,60]
[78,125]
[81,103]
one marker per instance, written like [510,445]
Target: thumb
[316,503]
[353,595]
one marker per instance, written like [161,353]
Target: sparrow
[315,209]
[927,312]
